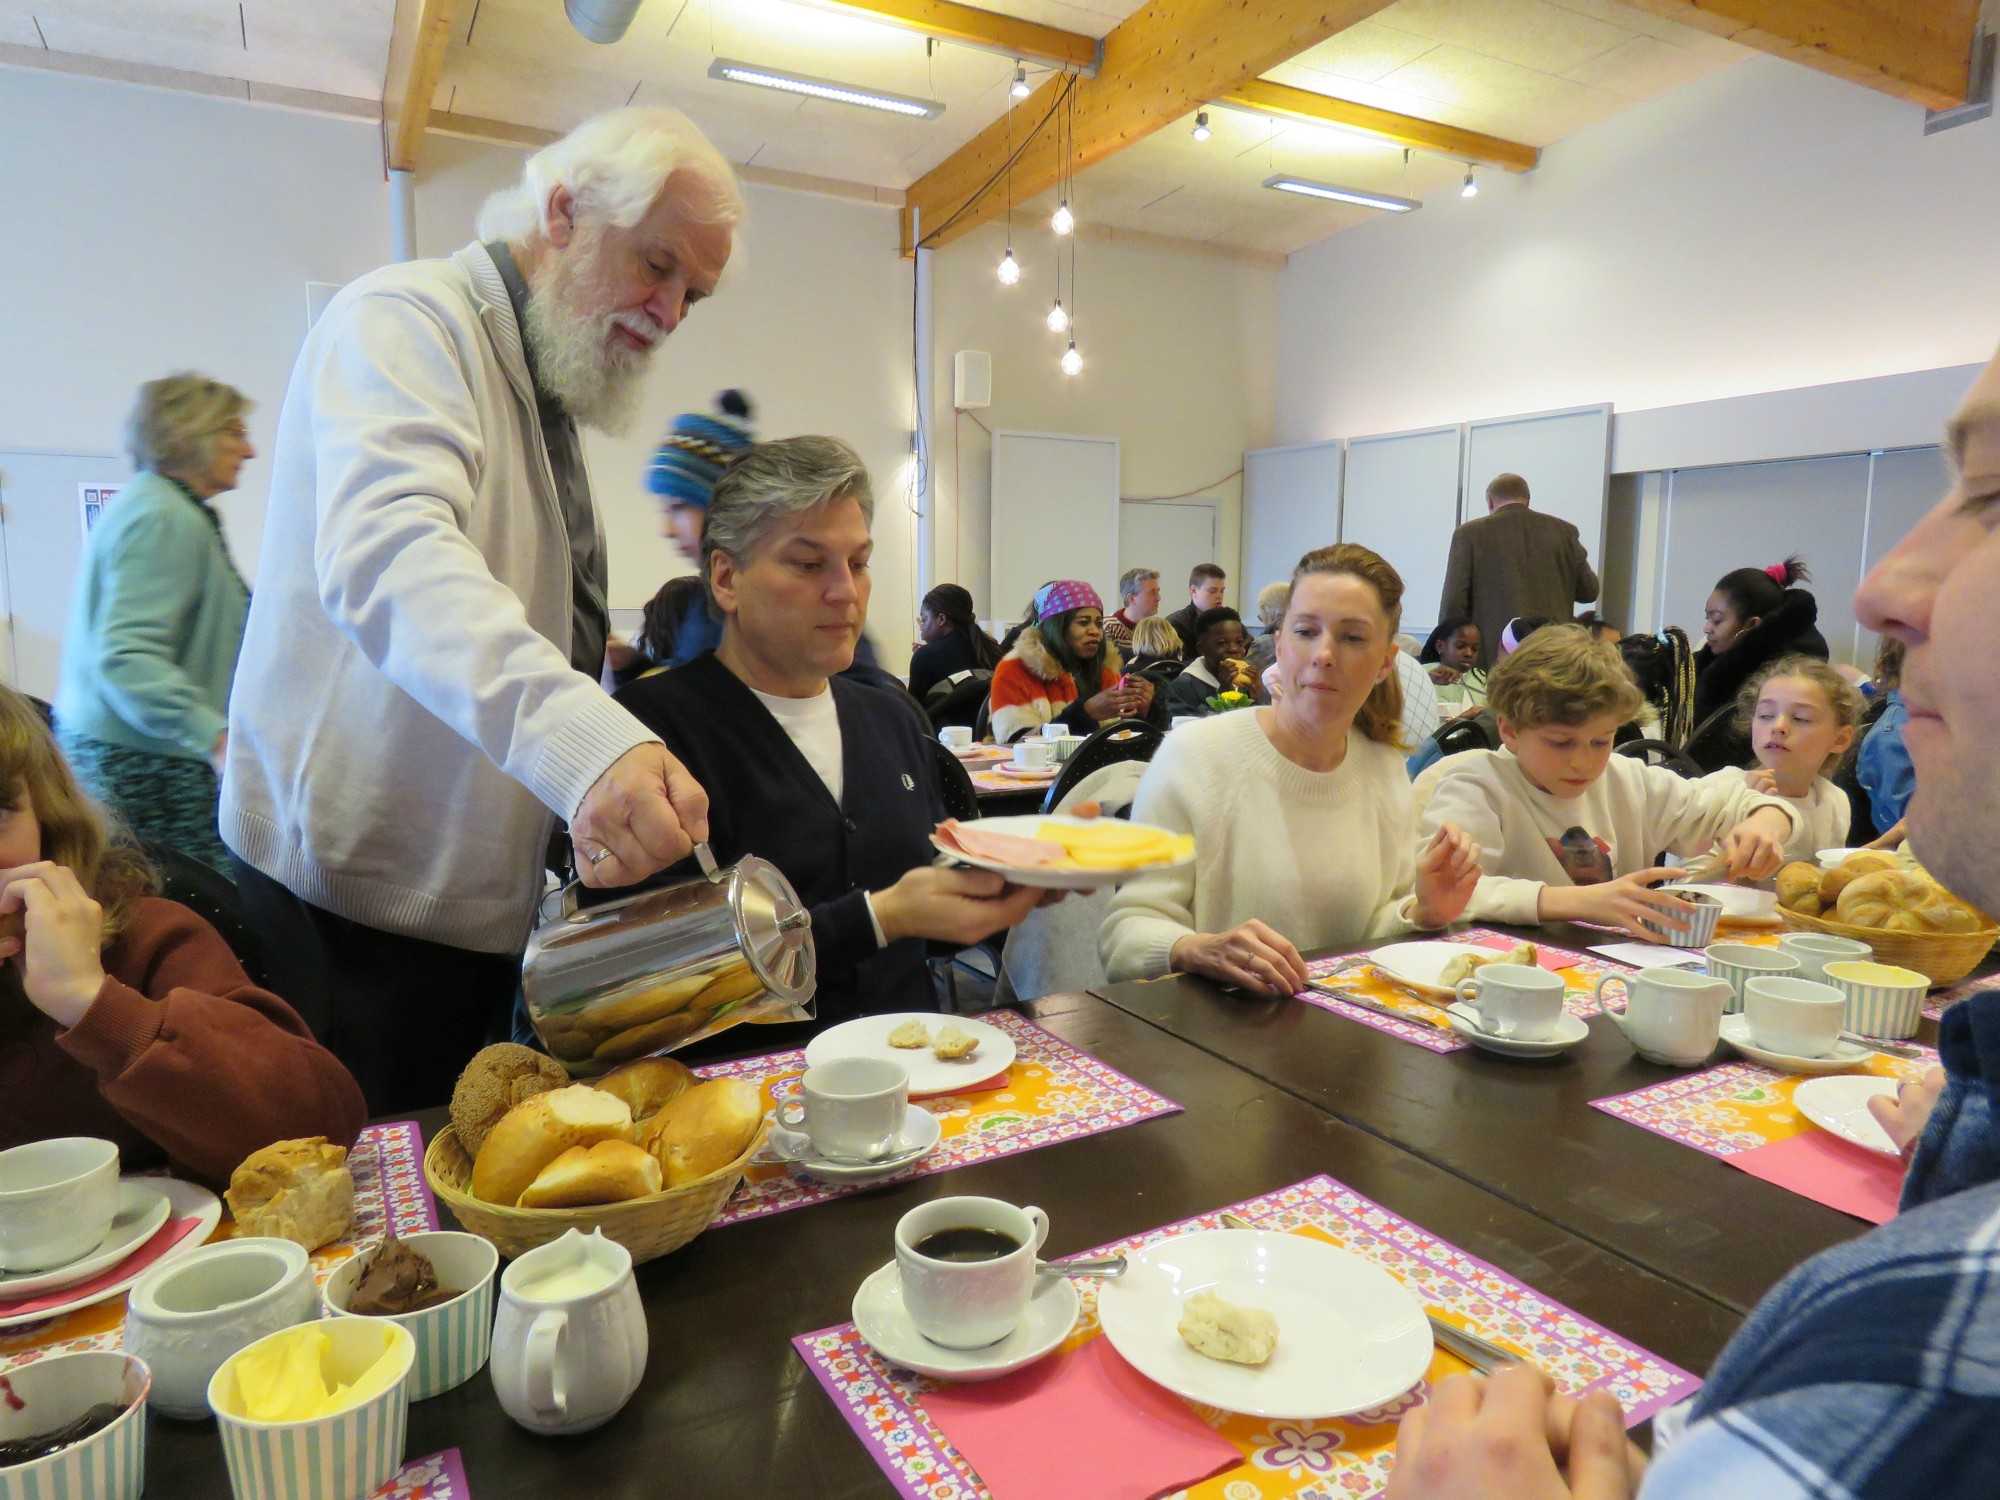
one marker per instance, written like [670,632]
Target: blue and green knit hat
[696,449]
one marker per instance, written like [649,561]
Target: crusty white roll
[1866,862]
[705,1129]
[609,1172]
[294,1190]
[498,1078]
[535,1132]
[647,1086]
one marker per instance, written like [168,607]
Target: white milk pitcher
[569,1345]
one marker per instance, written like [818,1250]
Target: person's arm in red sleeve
[202,1061]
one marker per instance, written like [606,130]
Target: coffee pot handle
[548,1387]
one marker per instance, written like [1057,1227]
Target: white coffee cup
[1801,1017]
[1056,730]
[851,1107]
[968,1304]
[186,1317]
[1516,1001]
[956,736]
[1670,1015]
[1739,963]
[569,1344]
[1815,950]
[57,1200]
[1034,755]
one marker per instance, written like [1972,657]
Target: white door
[1170,537]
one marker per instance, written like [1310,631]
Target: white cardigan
[1324,857]
[405,718]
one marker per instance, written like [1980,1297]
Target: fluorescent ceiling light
[824,88]
[1306,187]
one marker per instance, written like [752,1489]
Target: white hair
[615,165]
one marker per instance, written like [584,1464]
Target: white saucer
[1845,1055]
[142,1209]
[917,1139]
[184,1200]
[885,1324]
[868,1036]
[1840,1105]
[1569,1031]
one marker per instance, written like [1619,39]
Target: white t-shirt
[812,724]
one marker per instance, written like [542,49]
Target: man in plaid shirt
[1872,1372]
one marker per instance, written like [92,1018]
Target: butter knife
[1482,1355]
[1380,1010]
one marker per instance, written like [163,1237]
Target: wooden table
[728,1410]
[1524,1131]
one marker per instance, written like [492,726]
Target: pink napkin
[1083,1425]
[983,1086]
[169,1235]
[1828,1170]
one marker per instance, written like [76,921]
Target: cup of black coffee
[967,1267]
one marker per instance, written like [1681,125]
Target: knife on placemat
[1381,1010]
[1482,1355]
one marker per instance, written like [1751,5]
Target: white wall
[1763,229]
[1177,367]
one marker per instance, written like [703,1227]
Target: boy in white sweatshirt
[1568,831]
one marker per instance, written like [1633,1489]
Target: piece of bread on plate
[294,1190]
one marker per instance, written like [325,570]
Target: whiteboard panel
[1902,488]
[1400,499]
[1291,504]
[1055,515]
[1170,538]
[1565,456]
[41,531]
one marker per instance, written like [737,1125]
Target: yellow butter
[284,1378]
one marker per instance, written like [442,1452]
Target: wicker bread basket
[1941,957]
[649,1227]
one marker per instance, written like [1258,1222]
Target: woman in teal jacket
[143,708]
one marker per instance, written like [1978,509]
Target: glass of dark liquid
[967,1267]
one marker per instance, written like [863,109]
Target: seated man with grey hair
[1138,599]
[1271,601]
[417,703]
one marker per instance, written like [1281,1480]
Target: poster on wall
[91,499]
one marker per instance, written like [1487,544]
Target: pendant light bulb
[1010,268]
[1063,221]
[1019,88]
[1201,130]
[1471,188]
[1072,362]
[1058,319]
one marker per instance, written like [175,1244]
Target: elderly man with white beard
[417,700]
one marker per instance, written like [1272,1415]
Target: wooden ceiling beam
[1165,59]
[417,42]
[1919,50]
[1259,96]
[991,32]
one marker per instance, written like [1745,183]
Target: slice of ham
[1000,848]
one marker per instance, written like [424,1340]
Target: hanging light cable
[1010,268]
[1063,221]
[1072,362]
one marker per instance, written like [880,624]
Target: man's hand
[1253,956]
[1494,1438]
[952,906]
[643,814]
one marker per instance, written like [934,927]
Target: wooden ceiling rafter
[419,37]
[1263,97]
[948,21]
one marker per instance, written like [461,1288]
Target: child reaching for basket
[1568,831]
[1800,715]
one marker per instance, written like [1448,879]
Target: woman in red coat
[1061,668]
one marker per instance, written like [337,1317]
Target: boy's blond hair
[1561,676]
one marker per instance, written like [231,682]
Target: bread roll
[1851,869]
[1904,901]
[646,1085]
[1221,1330]
[705,1129]
[498,1078]
[1797,881]
[534,1133]
[609,1172]
[294,1190]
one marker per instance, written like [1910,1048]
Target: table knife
[1380,1010]
[1888,1049]
[1483,1355]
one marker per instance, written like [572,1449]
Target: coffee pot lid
[774,928]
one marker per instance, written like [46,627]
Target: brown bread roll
[1797,882]
[498,1078]
[646,1086]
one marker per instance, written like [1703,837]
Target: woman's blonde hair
[76,832]
[1560,675]
[1155,636]
[1841,695]
[176,421]
[1381,715]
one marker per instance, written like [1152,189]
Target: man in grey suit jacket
[1514,561]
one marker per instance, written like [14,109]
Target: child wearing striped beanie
[691,458]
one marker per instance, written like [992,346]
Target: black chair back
[1475,733]
[956,699]
[1121,739]
[1163,671]
[982,722]
[1660,753]
[210,895]
[961,799]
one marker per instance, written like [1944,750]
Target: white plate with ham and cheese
[1064,853]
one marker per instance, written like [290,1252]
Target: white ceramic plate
[1845,1055]
[1840,1105]
[1569,1031]
[868,1036]
[1743,904]
[1350,1335]
[1417,965]
[1067,878]
[142,1209]
[884,1323]
[917,1139]
[184,1200]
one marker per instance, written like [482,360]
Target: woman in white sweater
[1300,812]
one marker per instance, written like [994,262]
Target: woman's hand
[1755,847]
[952,906]
[1905,1113]
[63,939]
[1253,956]
[1447,874]
[1108,705]
[1139,697]
[1620,903]
[1444,676]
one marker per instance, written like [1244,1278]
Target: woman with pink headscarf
[1062,669]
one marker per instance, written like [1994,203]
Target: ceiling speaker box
[971,379]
